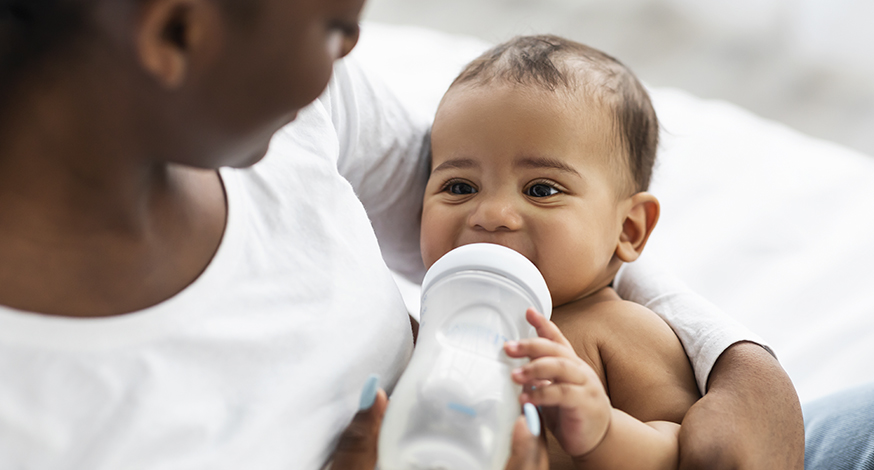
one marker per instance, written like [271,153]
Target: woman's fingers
[357,446]
[529,448]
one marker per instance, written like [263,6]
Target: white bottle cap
[495,259]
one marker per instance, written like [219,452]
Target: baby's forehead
[583,80]
[583,100]
[577,107]
[586,123]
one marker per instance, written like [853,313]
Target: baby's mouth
[511,244]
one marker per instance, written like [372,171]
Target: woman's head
[29,31]
[198,82]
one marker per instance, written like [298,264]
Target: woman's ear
[640,220]
[174,36]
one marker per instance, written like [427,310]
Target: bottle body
[455,405]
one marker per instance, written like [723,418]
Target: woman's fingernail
[532,419]
[512,344]
[368,392]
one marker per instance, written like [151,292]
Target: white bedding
[773,226]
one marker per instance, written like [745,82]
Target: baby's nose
[496,214]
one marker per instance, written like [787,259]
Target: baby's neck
[603,294]
[605,280]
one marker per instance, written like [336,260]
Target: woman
[158,312]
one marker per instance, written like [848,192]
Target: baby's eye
[541,190]
[460,187]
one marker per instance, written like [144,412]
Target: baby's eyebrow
[457,164]
[546,162]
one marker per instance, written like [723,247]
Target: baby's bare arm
[647,372]
[633,444]
[647,375]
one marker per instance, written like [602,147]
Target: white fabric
[702,327]
[260,362]
[775,228]
[771,226]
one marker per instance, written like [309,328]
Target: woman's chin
[251,159]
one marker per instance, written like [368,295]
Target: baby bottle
[455,405]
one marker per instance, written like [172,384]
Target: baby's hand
[575,406]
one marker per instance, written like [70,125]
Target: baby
[546,146]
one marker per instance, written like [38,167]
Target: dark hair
[553,63]
[30,30]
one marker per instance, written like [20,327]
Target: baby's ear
[640,218]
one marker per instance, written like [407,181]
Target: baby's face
[522,168]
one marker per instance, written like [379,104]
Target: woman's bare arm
[750,417]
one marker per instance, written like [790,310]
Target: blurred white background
[806,63]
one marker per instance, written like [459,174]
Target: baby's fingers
[545,328]
[536,348]
[567,396]
[554,369]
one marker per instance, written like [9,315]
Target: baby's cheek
[554,282]
[432,241]
[429,255]
[566,280]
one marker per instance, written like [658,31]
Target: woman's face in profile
[273,60]
[293,43]
[286,54]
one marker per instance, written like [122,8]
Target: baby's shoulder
[625,328]
[623,320]
[603,323]
[638,357]
[607,316]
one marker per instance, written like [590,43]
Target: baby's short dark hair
[554,63]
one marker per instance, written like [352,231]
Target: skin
[523,168]
[534,170]
[118,155]
[750,417]
[357,449]
[511,166]
[110,201]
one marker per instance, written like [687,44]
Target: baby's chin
[561,300]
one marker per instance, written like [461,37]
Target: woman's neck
[67,162]
[89,226]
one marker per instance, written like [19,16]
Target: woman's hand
[575,405]
[529,447]
[357,448]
